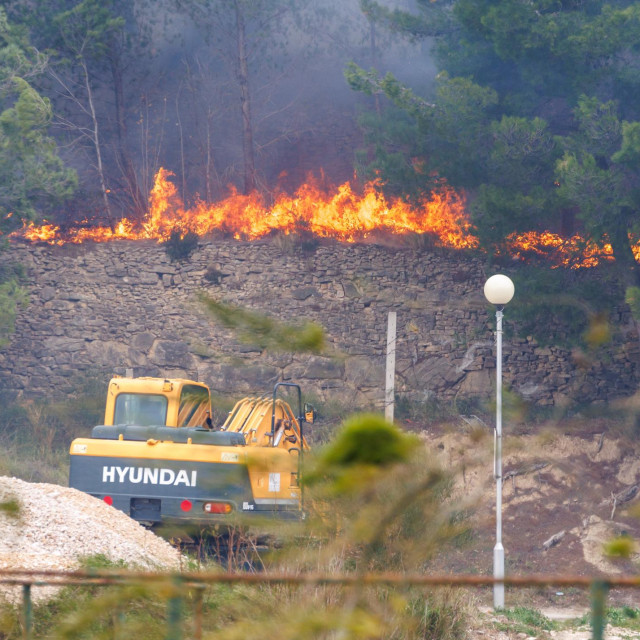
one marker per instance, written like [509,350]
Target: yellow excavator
[159,458]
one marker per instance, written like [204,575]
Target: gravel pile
[56,527]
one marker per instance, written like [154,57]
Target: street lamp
[498,290]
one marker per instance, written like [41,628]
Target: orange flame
[573,252]
[343,215]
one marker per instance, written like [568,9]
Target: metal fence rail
[27,579]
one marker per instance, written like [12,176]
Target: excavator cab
[157,402]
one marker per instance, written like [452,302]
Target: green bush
[377,494]
[180,245]
[12,298]
[370,440]
[627,617]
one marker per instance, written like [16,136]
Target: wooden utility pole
[391,367]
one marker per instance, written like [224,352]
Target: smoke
[183,107]
[303,113]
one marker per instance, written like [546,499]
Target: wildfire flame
[343,215]
[572,252]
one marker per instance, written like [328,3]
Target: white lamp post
[498,290]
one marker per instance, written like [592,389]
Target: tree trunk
[373,47]
[209,162]
[568,221]
[181,136]
[126,164]
[95,136]
[245,103]
[622,252]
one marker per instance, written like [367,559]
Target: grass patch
[36,433]
[625,617]
[525,620]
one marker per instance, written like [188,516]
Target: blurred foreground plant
[380,493]
[263,330]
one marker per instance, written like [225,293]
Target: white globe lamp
[499,290]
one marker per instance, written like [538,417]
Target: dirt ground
[578,482]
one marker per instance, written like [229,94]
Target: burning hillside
[343,215]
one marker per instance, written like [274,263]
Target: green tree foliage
[391,143]
[564,306]
[91,47]
[600,173]
[367,439]
[33,178]
[377,490]
[434,19]
[536,117]
[364,443]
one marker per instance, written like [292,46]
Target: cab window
[140,409]
[194,406]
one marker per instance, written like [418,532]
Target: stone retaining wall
[96,309]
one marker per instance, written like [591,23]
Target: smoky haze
[173,92]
